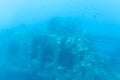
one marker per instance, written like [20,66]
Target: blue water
[33,36]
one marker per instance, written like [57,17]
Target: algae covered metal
[52,56]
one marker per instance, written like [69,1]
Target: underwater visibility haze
[59,40]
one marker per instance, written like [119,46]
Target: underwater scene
[59,40]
